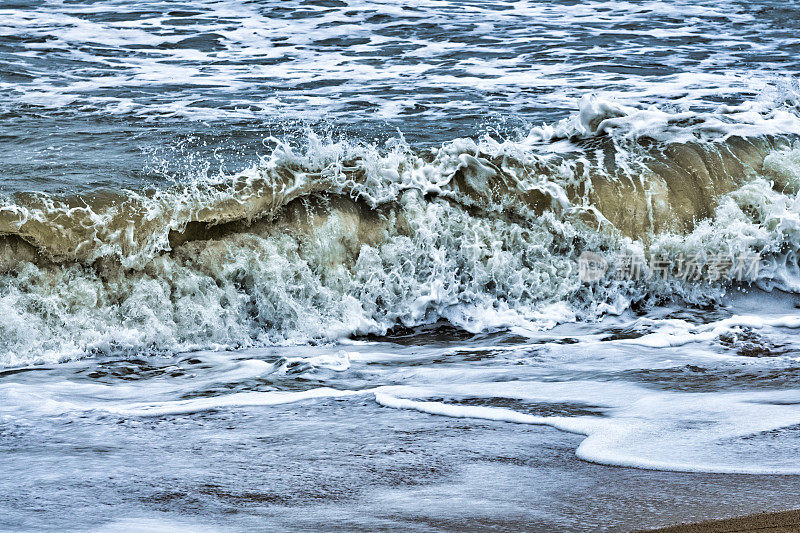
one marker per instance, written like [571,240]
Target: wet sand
[783,522]
[346,465]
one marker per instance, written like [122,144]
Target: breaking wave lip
[334,238]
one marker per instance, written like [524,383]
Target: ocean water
[367,265]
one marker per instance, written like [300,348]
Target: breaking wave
[329,238]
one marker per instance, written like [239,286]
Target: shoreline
[774,522]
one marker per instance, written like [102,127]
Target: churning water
[318,264]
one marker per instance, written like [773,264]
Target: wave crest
[332,238]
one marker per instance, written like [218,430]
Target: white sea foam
[691,432]
[668,408]
[242,399]
[235,60]
[409,249]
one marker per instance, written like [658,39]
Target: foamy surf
[658,431]
[726,405]
[362,265]
[332,239]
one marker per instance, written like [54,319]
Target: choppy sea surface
[327,264]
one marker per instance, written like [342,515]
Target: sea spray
[330,239]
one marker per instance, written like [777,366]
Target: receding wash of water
[365,265]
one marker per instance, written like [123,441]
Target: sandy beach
[783,522]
